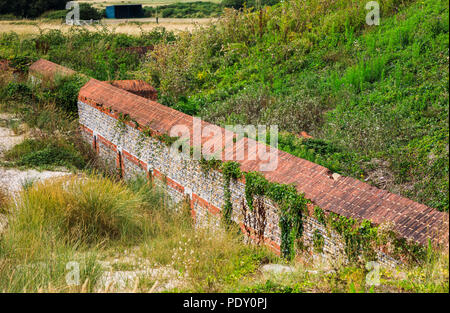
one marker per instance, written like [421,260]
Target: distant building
[124,11]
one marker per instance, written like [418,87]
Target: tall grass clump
[208,257]
[78,210]
[67,219]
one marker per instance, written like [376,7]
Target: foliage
[30,8]
[319,214]
[291,204]
[99,54]
[230,170]
[239,4]
[360,238]
[377,96]
[45,154]
[184,10]
[87,12]
[318,241]
[92,210]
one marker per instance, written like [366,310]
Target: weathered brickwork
[126,148]
[180,176]
[183,178]
[123,146]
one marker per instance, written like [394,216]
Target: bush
[55,15]
[45,153]
[235,4]
[88,12]
[185,10]
[64,92]
[239,4]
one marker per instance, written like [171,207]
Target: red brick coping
[343,195]
[47,70]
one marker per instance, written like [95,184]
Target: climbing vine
[292,205]
[359,238]
[320,215]
[362,239]
[211,164]
[230,170]
[166,139]
[121,125]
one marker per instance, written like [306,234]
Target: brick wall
[185,178]
[100,105]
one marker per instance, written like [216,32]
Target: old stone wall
[134,154]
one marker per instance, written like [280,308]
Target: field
[131,26]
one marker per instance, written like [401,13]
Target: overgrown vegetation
[292,206]
[375,101]
[48,111]
[88,218]
[83,218]
[45,154]
[375,98]
[98,54]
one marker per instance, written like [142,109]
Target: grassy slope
[375,97]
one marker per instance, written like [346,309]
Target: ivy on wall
[360,238]
[318,241]
[230,170]
[292,206]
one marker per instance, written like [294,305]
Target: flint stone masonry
[123,144]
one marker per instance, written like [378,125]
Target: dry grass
[131,27]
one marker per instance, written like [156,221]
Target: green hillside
[375,98]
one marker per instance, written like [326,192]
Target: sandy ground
[130,26]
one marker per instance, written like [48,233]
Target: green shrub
[88,12]
[45,153]
[55,15]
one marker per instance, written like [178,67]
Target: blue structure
[124,11]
